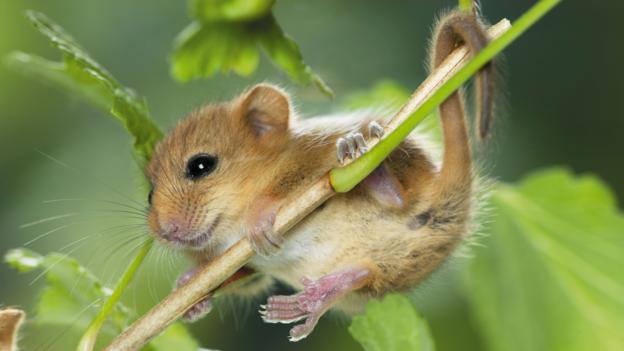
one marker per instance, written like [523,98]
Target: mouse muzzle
[182,233]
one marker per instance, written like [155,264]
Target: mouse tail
[455,29]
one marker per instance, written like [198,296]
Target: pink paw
[315,299]
[198,310]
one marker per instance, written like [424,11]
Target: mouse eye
[200,166]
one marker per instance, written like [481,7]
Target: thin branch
[211,275]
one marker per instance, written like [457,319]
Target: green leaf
[71,288]
[203,49]
[230,10]
[391,325]
[549,276]
[73,295]
[83,76]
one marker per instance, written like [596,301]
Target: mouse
[225,170]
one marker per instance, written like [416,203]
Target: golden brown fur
[266,154]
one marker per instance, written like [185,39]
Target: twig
[211,275]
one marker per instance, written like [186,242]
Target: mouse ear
[266,109]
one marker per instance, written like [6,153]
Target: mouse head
[208,169]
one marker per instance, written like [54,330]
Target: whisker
[141,209]
[48,219]
[78,241]
[48,233]
[91,176]
[131,215]
[110,251]
[125,256]
[64,256]
[71,325]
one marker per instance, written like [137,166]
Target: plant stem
[466,5]
[87,342]
[345,178]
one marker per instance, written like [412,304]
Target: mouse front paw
[259,223]
[198,310]
[263,238]
[353,144]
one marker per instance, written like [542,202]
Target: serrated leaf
[84,77]
[73,295]
[72,291]
[205,48]
[391,324]
[230,10]
[550,274]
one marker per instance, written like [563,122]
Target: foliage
[550,274]
[226,36]
[73,295]
[391,324]
[83,76]
[231,10]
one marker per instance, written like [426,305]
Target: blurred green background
[565,81]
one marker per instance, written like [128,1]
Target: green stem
[345,178]
[87,342]
[466,5]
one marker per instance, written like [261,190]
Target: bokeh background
[565,82]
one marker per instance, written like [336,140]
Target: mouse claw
[350,146]
[342,150]
[375,130]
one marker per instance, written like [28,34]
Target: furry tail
[455,29]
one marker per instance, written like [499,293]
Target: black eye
[200,166]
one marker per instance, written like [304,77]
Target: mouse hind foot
[315,299]
[201,308]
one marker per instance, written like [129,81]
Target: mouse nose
[173,229]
